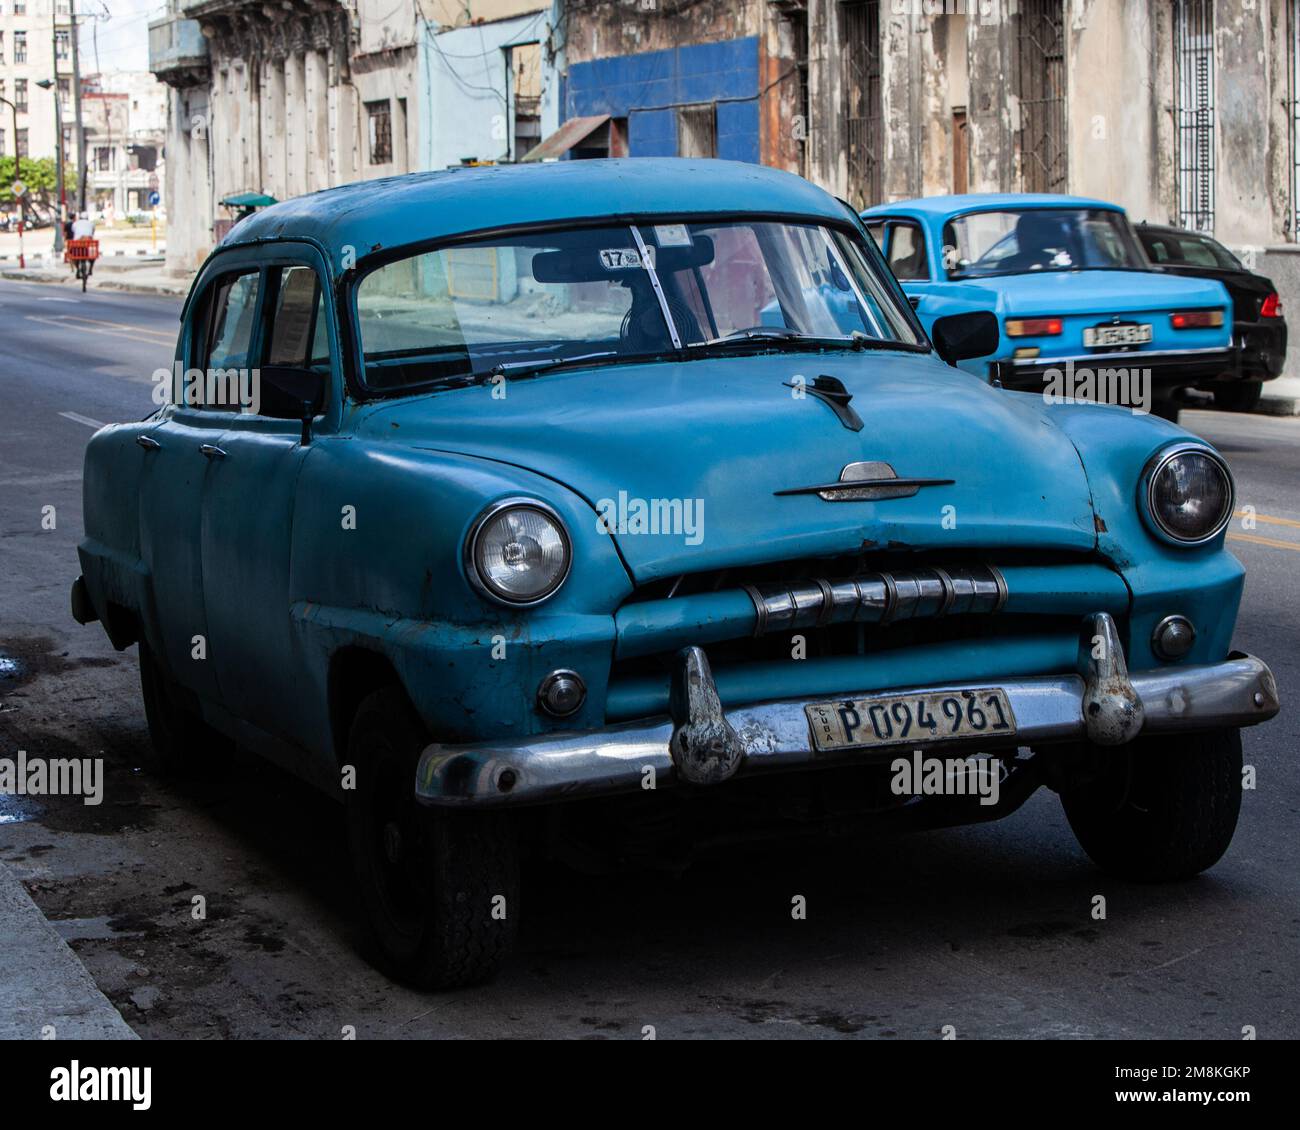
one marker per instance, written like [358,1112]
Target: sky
[117,32]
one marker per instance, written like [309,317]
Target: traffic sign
[19,188]
[154,199]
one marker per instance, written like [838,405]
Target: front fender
[1203,583]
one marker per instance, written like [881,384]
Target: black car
[1258,328]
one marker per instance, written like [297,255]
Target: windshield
[619,292]
[1039,239]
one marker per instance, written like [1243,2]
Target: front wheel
[1161,808]
[440,889]
[181,739]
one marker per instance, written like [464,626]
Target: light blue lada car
[1069,284]
[493,504]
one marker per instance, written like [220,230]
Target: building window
[104,158]
[20,94]
[20,7]
[697,131]
[2,143]
[381,131]
[1040,83]
[61,44]
[862,115]
[1293,108]
[526,96]
[20,47]
[22,142]
[65,89]
[1194,113]
[2,46]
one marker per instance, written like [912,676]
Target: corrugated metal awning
[565,138]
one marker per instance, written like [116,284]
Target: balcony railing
[178,51]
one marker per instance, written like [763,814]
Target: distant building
[125,117]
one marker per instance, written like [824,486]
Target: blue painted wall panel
[645,88]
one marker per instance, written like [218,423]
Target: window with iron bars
[1194,113]
[862,112]
[1040,87]
[380,116]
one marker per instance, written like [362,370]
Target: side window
[877,230]
[298,327]
[907,253]
[295,374]
[231,320]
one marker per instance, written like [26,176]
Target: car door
[249,496]
[178,462]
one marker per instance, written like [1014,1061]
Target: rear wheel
[1241,396]
[1162,808]
[440,889]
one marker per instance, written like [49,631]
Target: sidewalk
[1281,397]
[43,985]
[145,275]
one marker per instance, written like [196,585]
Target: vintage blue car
[488,502]
[1070,285]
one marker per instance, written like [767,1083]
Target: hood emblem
[867,482]
[831,392]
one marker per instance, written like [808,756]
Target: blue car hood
[1101,292]
[721,436]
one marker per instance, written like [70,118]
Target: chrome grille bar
[878,598]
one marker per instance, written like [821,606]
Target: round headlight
[518,552]
[1188,494]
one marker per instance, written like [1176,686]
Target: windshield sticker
[672,235]
[625,259]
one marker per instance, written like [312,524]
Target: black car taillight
[1271,307]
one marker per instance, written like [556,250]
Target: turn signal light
[1272,307]
[1196,319]
[1033,327]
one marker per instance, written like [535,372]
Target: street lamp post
[52,84]
[18,175]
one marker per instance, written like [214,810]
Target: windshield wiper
[774,337]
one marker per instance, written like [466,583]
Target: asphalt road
[986,929]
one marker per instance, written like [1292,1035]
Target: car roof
[929,207]
[373,215]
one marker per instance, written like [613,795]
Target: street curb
[45,991]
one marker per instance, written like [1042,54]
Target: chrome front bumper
[704,744]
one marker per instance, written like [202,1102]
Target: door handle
[147,443]
[212,452]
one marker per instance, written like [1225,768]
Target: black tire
[1240,396]
[180,738]
[430,880]
[1164,808]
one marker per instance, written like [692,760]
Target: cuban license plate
[909,719]
[1117,335]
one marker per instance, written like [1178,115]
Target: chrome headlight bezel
[482,584]
[1150,477]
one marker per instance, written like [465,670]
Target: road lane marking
[1265,541]
[78,418]
[1268,520]
[66,322]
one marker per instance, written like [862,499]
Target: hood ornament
[867,482]
[831,392]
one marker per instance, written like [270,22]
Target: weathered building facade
[281,99]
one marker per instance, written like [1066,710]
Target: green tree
[40,175]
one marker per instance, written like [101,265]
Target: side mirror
[289,392]
[961,337]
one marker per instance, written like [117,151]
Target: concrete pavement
[45,991]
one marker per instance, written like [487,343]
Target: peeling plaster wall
[1110,120]
[993,112]
[1243,65]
